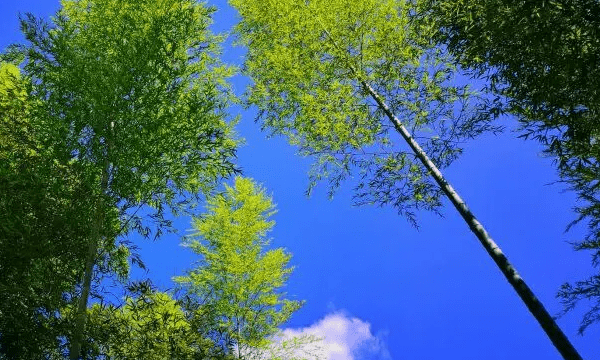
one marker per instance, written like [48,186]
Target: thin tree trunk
[90,261]
[558,338]
[80,321]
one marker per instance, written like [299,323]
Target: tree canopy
[236,288]
[309,63]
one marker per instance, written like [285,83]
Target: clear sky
[381,289]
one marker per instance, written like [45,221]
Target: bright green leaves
[297,81]
[136,86]
[237,283]
[15,126]
[11,87]
[310,62]
[150,326]
[240,214]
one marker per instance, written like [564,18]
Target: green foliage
[282,347]
[13,104]
[151,325]
[234,292]
[125,109]
[133,88]
[310,61]
[43,232]
[540,55]
[541,58]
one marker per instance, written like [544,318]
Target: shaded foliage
[46,214]
[542,56]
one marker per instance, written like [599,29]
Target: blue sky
[377,287]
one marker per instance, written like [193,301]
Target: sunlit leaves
[15,129]
[136,86]
[151,325]
[237,282]
[310,61]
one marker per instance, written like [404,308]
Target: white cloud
[344,338]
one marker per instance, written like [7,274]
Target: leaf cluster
[310,63]
[541,56]
[150,325]
[134,88]
[235,290]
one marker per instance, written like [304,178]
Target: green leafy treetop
[311,62]
[235,290]
[133,92]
